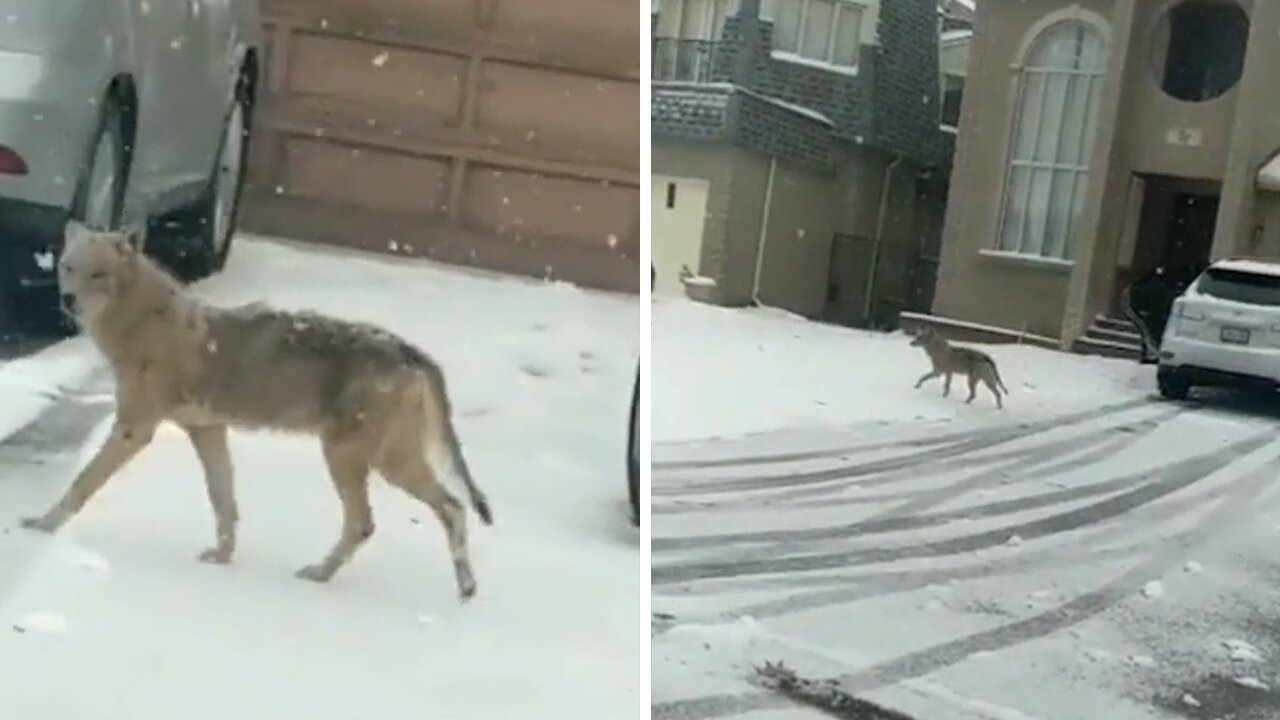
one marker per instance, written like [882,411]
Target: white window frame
[841,7]
[1055,165]
[711,22]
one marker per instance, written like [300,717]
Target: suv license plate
[1235,336]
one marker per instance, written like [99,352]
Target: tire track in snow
[1044,462]
[914,442]
[908,463]
[1171,477]
[1083,607]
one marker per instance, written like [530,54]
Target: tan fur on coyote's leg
[946,386]
[927,377]
[121,446]
[991,385]
[415,477]
[973,389]
[215,458]
[348,462]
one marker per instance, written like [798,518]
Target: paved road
[1029,547]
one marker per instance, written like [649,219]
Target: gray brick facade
[891,103]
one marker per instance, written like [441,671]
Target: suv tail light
[11,163]
[1182,311]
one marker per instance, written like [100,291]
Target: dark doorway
[1174,237]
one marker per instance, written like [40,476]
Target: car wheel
[98,201]
[633,453]
[1172,387]
[214,218]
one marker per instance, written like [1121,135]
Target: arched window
[1058,95]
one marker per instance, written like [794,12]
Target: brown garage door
[499,133]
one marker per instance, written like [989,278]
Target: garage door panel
[516,122]
[351,70]
[606,31]
[522,203]
[585,119]
[365,177]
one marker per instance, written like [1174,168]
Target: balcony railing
[677,60]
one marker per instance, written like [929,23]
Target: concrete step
[1123,337]
[1115,323]
[1089,346]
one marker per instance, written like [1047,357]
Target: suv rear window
[1243,287]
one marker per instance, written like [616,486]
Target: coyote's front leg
[126,440]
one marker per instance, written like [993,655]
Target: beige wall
[973,285]
[806,210]
[977,286]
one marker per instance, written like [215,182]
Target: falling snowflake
[212,347]
[506,201]
[176,44]
[613,240]
[44,260]
[279,189]
[14,18]
[324,24]
[372,122]
[319,132]
[528,137]
[393,246]
[381,58]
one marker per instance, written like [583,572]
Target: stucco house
[796,154]
[1099,140]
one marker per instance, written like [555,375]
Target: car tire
[98,201]
[212,221]
[633,453]
[1172,386]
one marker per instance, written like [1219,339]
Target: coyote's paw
[44,524]
[314,573]
[215,556]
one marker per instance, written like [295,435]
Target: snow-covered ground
[723,372]
[1090,552]
[114,619]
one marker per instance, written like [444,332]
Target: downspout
[764,230]
[881,215]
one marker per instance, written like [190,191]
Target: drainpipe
[875,247]
[764,230]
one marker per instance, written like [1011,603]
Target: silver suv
[122,111]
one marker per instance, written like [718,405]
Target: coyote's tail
[456,466]
[445,455]
[995,372]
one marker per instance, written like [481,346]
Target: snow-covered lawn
[115,620]
[728,372]
[1087,553]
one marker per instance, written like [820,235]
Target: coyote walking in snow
[374,401]
[948,360]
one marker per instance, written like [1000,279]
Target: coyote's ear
[133,239]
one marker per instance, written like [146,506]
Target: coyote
[948,360]
[374,401]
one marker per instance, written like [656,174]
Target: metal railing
[677,60]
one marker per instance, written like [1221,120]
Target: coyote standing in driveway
[375,401]
[948,360]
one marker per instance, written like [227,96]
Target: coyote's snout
[376,402]
[948,359]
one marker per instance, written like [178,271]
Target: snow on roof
[1253,266]
[1269,175]
[955,36]
[797,109]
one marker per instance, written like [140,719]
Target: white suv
[1224,330]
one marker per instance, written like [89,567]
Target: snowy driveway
[1088,553]
[1116,562]
[114,619]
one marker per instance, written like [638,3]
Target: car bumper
[47,113]
[31,235]
[1203,363]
